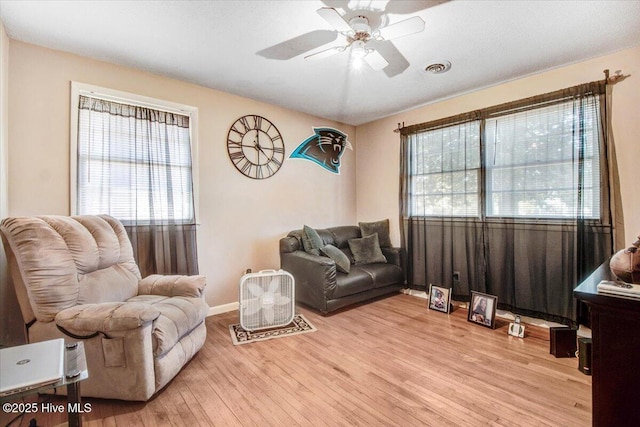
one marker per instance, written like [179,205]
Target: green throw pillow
[342,261]
[380,227]
[311,240]
[367,250]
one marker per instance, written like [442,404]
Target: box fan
[267,299]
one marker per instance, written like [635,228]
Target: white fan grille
[267,300]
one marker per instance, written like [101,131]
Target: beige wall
[241,220]
[378,146]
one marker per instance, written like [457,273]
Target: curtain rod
[608,80]
[616,78]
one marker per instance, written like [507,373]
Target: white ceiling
[238,46]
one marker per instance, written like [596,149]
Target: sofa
[76,278]
[344,266]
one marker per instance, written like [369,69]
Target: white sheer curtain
[134,163]
[445,171]
[544,163]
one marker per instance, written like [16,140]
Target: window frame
[594,157]
[495,113]
[478,171]
[107,94]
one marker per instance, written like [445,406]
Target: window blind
[539,163]
[134,163]
[543,163]
[445,171]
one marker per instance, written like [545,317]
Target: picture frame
[439,298]
[482,309]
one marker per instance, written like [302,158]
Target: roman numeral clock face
[255,147]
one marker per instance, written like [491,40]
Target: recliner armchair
[76,278]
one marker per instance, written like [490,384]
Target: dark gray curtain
[164,249]
[531,264]
[134,163]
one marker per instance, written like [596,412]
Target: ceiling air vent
[438,67]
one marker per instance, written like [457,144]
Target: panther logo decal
[325,148]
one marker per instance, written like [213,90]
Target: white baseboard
[224,308]
[415,293]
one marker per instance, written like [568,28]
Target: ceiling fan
[359,34]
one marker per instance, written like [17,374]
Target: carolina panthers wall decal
[324,148]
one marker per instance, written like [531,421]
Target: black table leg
[74,405]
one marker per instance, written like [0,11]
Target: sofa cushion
[178,317]
[343,264]
[342,235]
[380,227]
[311,240]
[384,274]
[97,286]
[366,250]
[356,281]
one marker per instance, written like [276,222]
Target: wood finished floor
[386,363]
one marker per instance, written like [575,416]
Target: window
[534,160]
[542,163]
[133,160]
[445,171]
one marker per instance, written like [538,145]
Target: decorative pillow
[311,240]
[367,250]
[380,227]
[342,261]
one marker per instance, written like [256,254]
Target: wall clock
[255,147]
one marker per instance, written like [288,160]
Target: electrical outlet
[456,276]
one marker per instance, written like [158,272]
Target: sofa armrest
[106,317]
[393,256]
[315,277]
[172,286]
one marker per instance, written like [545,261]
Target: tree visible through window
[541,163]
[537,160]
[445,170]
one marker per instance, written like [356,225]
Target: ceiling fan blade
[335,19]
[298,45]
[397,62]
[325,53]
[402,28]
[375,60]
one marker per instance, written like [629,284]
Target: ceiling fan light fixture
[438,67]
[358,49]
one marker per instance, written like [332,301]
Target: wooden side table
[75,368]
[615,329]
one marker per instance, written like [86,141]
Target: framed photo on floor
[482,309]
[439,298]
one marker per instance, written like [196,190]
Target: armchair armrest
[172,286]
[106,317]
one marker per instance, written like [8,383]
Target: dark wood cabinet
[615,328]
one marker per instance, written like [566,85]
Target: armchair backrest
[57,262]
